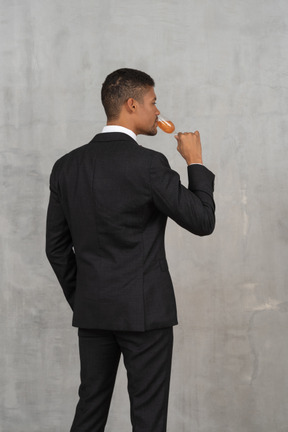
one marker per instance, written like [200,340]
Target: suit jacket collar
[117,128]
[114,136]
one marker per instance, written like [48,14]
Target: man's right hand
[189,146]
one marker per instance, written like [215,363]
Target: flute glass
[165,124]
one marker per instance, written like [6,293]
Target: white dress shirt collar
[116,128]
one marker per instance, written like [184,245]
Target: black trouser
[147,358]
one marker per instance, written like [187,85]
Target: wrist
[192,161]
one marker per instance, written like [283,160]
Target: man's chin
[153,132]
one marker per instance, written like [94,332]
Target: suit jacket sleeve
[59,246]
[191,208]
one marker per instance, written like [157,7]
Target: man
[106,220]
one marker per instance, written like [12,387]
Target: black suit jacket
[106,221]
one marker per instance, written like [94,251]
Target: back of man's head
[121,85]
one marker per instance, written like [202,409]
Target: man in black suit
[106,220]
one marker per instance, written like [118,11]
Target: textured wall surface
[220,67]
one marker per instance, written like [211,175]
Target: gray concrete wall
[220,67]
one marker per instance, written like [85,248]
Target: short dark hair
[121,85]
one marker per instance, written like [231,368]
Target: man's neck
[118,128]
[123,123]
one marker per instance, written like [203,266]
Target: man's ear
[131,105]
